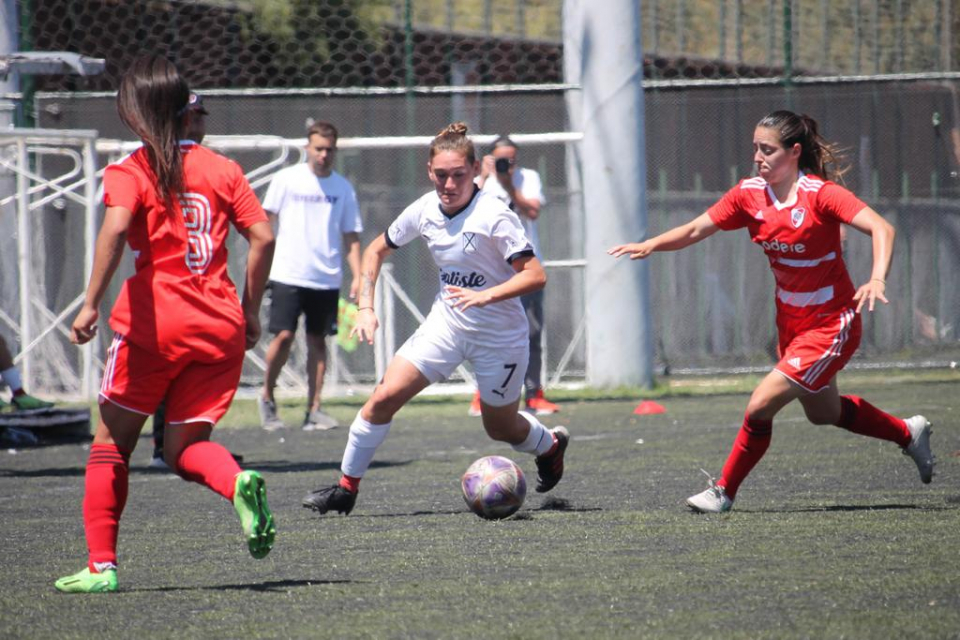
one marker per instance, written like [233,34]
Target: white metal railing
[79,183]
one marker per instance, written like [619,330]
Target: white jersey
[473,249]
[527,182]
[314,213]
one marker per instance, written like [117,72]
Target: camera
[502,165]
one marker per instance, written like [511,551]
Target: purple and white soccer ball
[494,487]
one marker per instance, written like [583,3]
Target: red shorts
[813,357]
[139,380]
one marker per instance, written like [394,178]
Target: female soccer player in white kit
[794,213]
[486,263]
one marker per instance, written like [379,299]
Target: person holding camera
[522,190]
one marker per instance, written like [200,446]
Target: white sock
[538,441]
[361,445]
[12,377]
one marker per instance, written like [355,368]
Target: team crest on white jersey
[796,216]
[469,242]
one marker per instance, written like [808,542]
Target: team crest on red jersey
[796,216]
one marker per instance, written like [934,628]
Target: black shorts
[319,306]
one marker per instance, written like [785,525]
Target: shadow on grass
[273,586]
[63,472]
[554,504]
[849,508]
[267,466]
[286,466]
[551,504]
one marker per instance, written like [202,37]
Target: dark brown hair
[453,137]
[817,156]
[324,130]
[152,101]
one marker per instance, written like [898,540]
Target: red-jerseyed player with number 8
[794,213]
[180,327]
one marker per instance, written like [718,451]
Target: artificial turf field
[832,536]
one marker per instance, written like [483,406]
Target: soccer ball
[494,487]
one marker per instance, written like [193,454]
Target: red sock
[350,483]
[553,447]
[105,495]
[751,443]
[859,416]
[211,465]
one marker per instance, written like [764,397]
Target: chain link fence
[386,69]
[391,43]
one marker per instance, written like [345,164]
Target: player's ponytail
[817,156]
[453,137]
[152,100]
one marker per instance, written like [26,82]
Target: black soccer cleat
[334,498]
[550,466]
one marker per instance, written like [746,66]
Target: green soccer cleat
[86,582]
[26,402]
[250,501]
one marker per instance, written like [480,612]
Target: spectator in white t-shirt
[315,212]
[522,191]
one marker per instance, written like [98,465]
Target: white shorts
[436,352]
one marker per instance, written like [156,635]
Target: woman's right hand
[636,250]
[488,166]
[366,325]
[84,325]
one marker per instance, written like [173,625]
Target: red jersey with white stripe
[802,242]
[181,301]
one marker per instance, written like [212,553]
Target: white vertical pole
[24,257]
[389,318]
[89,245]
[379,295]
[603,52]
[332,386]
[9,85]
[946,37]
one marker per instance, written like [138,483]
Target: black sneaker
[334,498]
[550,466]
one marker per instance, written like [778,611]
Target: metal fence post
[90,241]
[24,254]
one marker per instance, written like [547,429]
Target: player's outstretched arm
[259,258]
[882,232]
[106,257]
[700,228]
[373,257]
[529,277]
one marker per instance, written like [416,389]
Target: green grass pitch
[832,536]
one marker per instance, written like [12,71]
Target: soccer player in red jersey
[794,213]
[180,327]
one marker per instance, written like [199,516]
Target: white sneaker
[713,500]
[269,419]
[319,421]
[919,447]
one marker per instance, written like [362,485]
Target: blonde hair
[453,137]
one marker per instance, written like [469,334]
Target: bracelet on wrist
[879,280]
[362,308]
